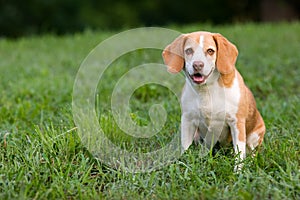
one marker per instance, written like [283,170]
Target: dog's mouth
[198,78]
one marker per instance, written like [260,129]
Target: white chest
[210,107]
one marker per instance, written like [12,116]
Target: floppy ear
[173,54]
[226,55]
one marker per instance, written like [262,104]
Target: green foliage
[41,156]
[34,16]
[19,18]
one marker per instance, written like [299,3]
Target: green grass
[41,156]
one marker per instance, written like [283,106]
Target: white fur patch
[201,41]
[252,140]
[241,147]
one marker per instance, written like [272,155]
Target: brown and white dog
[216,104]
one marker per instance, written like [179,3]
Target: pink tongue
[198,78]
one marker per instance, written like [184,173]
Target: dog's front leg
[188,129]
[238,134]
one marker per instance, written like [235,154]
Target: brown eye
[210,51]
[189,51]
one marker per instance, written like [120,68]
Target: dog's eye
[210,51]
[189,51]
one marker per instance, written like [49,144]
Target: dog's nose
[198,65]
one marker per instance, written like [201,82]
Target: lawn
[42,157]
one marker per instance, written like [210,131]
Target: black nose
[198,65]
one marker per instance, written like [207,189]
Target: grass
[41,156]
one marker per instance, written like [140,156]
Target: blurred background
[23,18]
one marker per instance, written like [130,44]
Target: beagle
[216,104]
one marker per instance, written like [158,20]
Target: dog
[216,104]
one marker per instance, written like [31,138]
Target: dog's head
[200,53]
